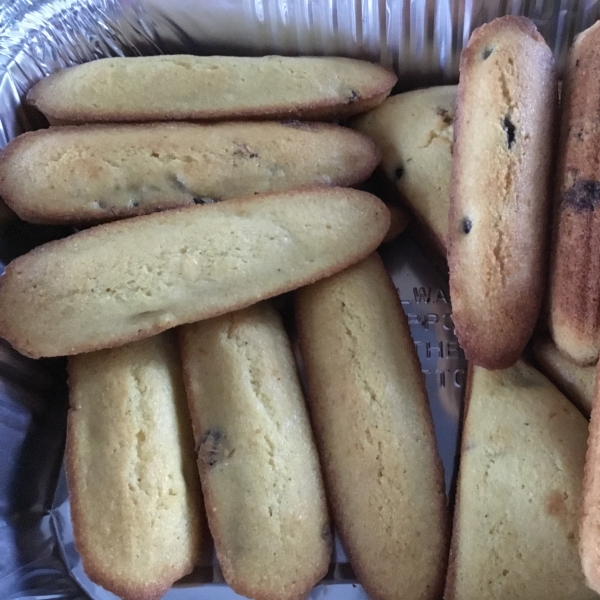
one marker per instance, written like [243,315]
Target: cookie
[258,463]
[136,504]
[183,87]
[574,296]
[95,173]
[589,530]
[500,189]
[519,491]
[399,220]
[374,432]
[574,381]
[414,131]
[130,279]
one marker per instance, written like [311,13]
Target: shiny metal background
[420,39]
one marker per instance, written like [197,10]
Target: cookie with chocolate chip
[575,263]
[257,460]
[97,173]
[183,87]
[414,131]
[500,189]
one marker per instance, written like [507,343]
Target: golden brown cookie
[374,432]
[136,504]
[414,131]
[130,279]
[519,491]
[257,459]
[574,381]
[575,263]
[184,87]
[500,190]
[97,173]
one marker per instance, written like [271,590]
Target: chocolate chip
[205,200]
[510,130]
[584,195]
[398,173]
[466,225]
[244,151]
[210,451]
[577,63]
[354,97]
[487,52]
[446,116]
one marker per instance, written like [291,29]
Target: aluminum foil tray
[420,39]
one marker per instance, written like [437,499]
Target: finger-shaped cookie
[374,431]
[258,463]
[575,263]
[90,174]
[136,504]
[500,190]
[130,279]
[519,491]
[162,88]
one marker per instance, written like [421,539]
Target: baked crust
[519,491]
[257,459]
[414,131]
[95,173]
[184,87]
[574,381]
[130,279]
[575,263]
[500,192]
[136,505]
[589,530]
[373,427]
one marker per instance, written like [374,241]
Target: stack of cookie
[523,508]
[202,205]
[196,216]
